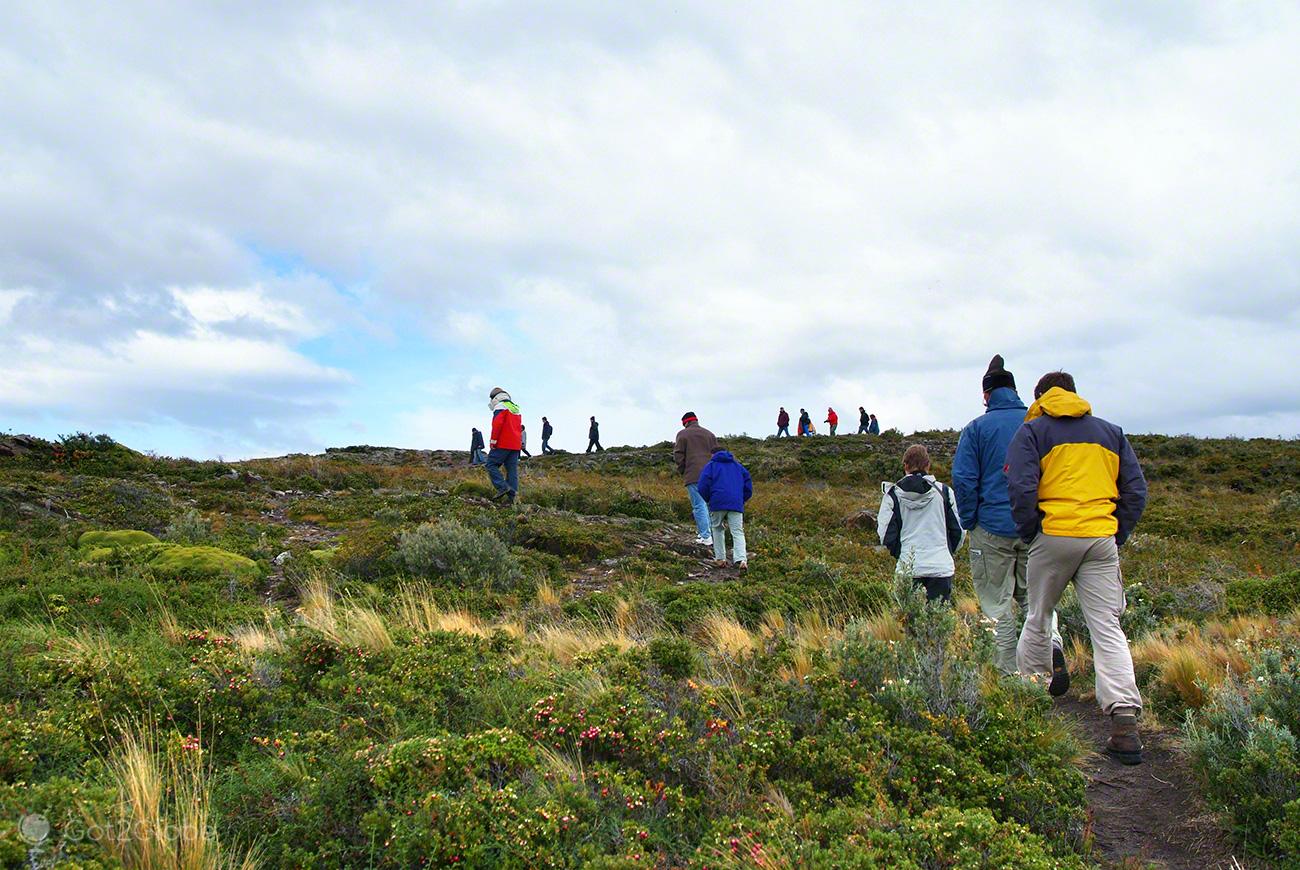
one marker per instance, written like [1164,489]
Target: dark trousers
[784,430]
[509,459]
[594,444]
[834,426]
[546,446]
[863,429]
[935,587]
[524,451]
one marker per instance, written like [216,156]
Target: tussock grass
[346,625]
[418,612]
[1190,661]
[724,636]
[161,819]
[547,598]
[565,642]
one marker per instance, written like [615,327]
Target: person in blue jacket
[998,557]
[726,485]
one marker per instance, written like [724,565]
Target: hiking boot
[1060,682]
[742,566]
[719,563]
[1124,743]
[501,495]
[510,497]
[700,539]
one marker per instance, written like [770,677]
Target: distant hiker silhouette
[864,421]
[523,441]
[832,420]
[593,437]
[547,429]
[783,423]
[476,456]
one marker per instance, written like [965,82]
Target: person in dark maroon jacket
[783,423]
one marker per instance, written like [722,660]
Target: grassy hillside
[356,659]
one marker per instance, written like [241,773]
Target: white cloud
[723,206]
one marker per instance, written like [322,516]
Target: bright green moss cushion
[118,538]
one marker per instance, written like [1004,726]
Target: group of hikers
[478,457]
[867,423]
[1045,495]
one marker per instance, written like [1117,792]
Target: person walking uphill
[726,485]
[507,441]
[547,429]
[998,558]
[864,421]
[805,422]
[832,420]
[874,428]
[691,452]
[476,456]
[783,423]
[593,437]
[918,524]
[1077,491]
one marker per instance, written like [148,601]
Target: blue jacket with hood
[978,478]
[725,484]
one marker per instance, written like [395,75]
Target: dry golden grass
[547,598]
[347,625]
[168,626]
[884,626]
[162,816]
[1079,656]
[87,651]
[816,629]
[800,667]
[773,625]
[724,636]
[417,611]
[565,642]
[1189,661]
[968,607]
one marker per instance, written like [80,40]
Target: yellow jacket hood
[1057,402]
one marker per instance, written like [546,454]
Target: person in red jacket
[507,441]
[833,419]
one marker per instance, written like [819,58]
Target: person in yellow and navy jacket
[1077,491]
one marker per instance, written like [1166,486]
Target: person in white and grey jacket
[918,524]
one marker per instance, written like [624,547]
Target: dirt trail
[1149,811]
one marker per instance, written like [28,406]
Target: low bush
[452,553]
[1243,746]
[1277,595]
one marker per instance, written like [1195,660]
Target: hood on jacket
[498,398]
[1057,402]
[1005,399]
[916,491]
[723,456]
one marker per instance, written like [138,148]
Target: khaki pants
[1093,565]
[997,568]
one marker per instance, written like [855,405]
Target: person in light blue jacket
[726,485]
[999,559]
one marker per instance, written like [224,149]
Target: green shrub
[1243,747]
[453,553]
[190,527]
[674,656]
[1277,595]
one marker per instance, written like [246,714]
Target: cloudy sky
[242,228]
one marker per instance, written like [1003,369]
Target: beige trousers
[1093,565]
[998,569]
